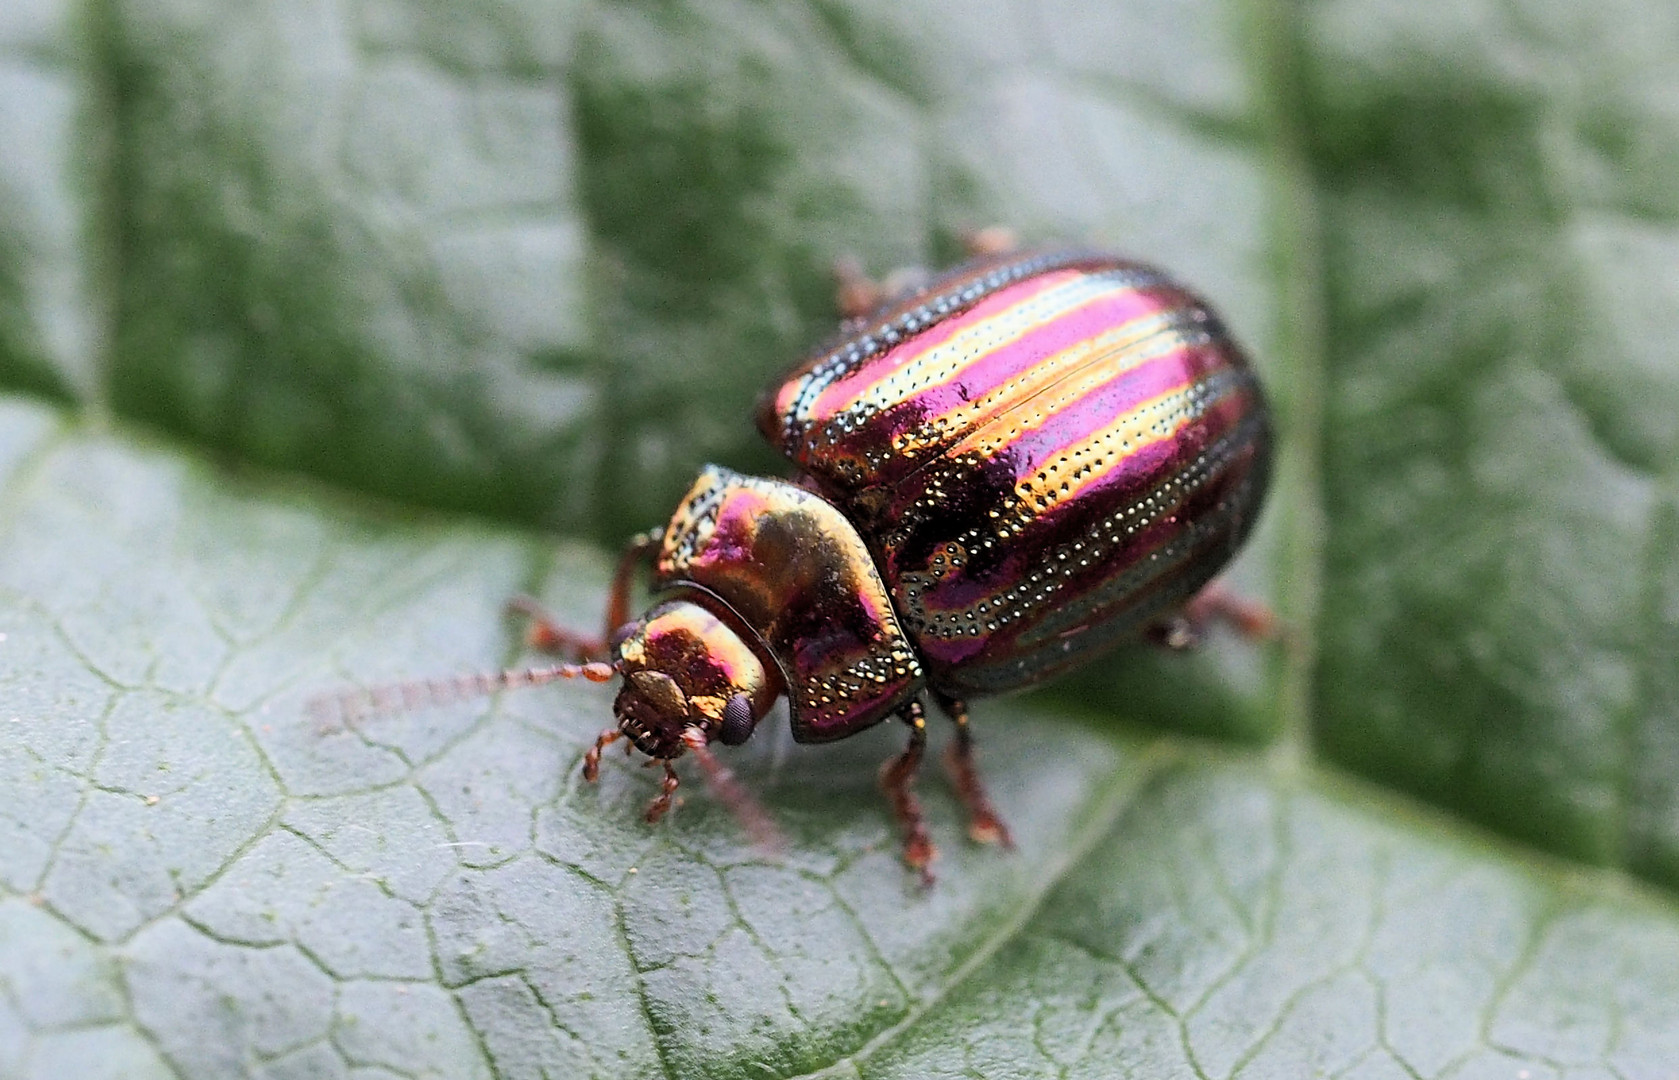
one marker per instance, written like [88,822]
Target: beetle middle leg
[546,635]
[857,295]
[897,778]
[989,240]
[984,826]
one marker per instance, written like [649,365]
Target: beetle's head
[690,680]
[688,677]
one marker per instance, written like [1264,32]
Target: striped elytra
[1043,453]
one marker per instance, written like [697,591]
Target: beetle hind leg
[1216,603]
[897,779]
[984,826]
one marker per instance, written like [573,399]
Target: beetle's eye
[737,721]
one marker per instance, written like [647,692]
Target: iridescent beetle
[1001,474]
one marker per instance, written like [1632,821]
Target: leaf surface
[319,322]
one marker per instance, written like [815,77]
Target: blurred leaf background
[327,326]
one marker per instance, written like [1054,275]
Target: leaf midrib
[1275,66]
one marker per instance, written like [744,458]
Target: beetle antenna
[731,793]
[347,707]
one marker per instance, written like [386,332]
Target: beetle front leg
[660,805]
[546,635]
[984,826]
[897,778]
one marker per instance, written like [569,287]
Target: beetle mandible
[999,475]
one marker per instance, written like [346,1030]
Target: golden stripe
[974,344]
[1092,358]
[1076,468]
[1024,599]
[1150,422]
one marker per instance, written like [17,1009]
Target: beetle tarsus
[660,805]
[989,240]
[858,296]
[897,778]
[1175,632]
[855,293]
[591,760]
[984,826]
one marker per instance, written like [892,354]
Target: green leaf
[318,322]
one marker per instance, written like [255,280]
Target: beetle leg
[667,791]
[984,826]
[730,792]
[897,778]
[546,635]
[990,240]
[857,295]
[1216,603]
[543,634]
[1174,632]
[640,548]
[591,760]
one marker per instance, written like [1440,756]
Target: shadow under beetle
[1000,474]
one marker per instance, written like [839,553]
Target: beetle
[999,475]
